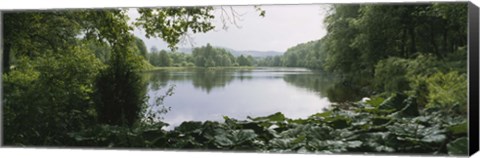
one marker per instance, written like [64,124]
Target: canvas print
[317,78]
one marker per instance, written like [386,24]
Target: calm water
[201,94]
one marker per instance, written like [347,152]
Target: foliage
[140,45]
[208,56]
[391,74]
[165,58]
[386,48]
[48,97]
[119,95]
[448,92]
[161,58]
[309,55]
[245,61]
[172,23]
[410,32]
[368,127]
[205,56]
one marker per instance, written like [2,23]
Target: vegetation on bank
[379,125]
[205,56]
[192,68]
[63,89]
[419,50]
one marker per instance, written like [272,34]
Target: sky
[283,26]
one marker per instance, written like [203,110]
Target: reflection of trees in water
[207,79]
[242,75]
[326,85]
[204,79]
[159,79]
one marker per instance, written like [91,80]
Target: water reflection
[203,79]
[209,94]
[326,85]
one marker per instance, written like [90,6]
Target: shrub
[49,96]
[448,91]
[390,75]
[119,94]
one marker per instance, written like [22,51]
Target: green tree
[57,77]
[208,56]
[243,61]
[142,49]
[164,58]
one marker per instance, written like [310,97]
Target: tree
[164,58]
[49,44]
[142,49]
[208,56]
[244,61]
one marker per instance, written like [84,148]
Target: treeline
[307,55]
[415,49]
[68,71]
[205,56]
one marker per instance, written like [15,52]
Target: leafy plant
[366,127]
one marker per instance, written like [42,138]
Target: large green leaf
[460,128]
[394,102]
[376,101]
[235,137]
[274,117]
[458,146]
[288,144]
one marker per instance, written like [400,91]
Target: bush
[49,96]
[390,75]
[119,94]
[448,91]
[190,65]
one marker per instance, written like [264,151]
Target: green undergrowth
[391,125]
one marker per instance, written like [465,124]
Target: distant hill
[236,53]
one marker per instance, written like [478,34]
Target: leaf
[434,138]
[189,126]
[243,135]
[354,144]
[320,133]
[323,114]
[394,102]
[460,128]
[287,143]
[223,140]
[339,123]
[328,145]
[235,137]
[458,146]
[274,117]
[375,102]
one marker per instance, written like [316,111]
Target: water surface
[203,94]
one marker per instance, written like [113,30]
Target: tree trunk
[432,41]
[413,47]
[6,57]
[404,41]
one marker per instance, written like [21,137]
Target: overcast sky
[282,27]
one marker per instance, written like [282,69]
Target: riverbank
[191,68]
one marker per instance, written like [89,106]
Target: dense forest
[71,78]
[416,49]
[204,57]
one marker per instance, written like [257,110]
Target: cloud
[284,26]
